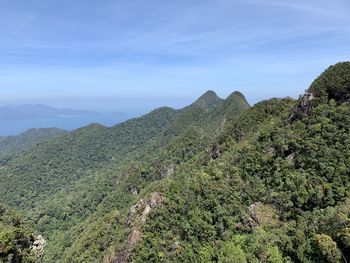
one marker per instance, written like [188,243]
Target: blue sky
[121,55]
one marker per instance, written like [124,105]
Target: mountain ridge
[11,146]
[219,181]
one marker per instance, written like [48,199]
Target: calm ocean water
[64,122]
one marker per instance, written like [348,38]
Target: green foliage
[15,241]
[230,253]
[12,146]
[296,170]
[234,184]
[333,83]
[51,166]
[328,248]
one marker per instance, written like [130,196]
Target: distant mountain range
[36,111]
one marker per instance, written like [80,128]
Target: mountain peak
[333,83]
[236,101]
[236,95]
[209,93]
[208,100]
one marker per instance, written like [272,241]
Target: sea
[14,127]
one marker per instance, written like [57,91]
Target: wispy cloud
[142,47]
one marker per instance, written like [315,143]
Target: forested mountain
[217,181]
[16,243]
[51,166]
[13,145]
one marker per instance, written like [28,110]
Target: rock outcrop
[139,214]
[38,246]
[303,108]
[332,84]
[260,214]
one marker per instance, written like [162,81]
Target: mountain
[29,111]
[208,113]
[16,242]
[50,166]
[12,145]
[217,181]
[79,164]
[209,100]
[276,191]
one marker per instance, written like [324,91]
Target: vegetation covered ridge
[216,181]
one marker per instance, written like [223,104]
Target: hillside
[51,166]
[16,244]
[277,191]
[79,196]
[13,145]
[217,181]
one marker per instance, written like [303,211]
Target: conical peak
[236,94]
[236,97]
[208,100]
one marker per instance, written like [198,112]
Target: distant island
[37,111]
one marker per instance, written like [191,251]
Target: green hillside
[13,145]
[217,181]
[51,166]
[16,244]
[277,192]
[90,198]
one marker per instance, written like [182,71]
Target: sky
[122,55]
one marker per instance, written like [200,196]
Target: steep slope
[234,104]
[208,101]
[115,186]
[194,114]
[332,84]
[220,182]
[208,113]
[14,145]
[277,191]
[51,166]
[16,244]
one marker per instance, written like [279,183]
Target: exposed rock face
[270,152]
[260,214]
[303,108]
[139,214]
[290,157]
[134,237]
[155,200]
[214,152]
[133,211]
[133,190]
[145,213]
[332,84]
[168,171]
[39,244]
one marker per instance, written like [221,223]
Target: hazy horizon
[109,116]
[134,56]
[143,54]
